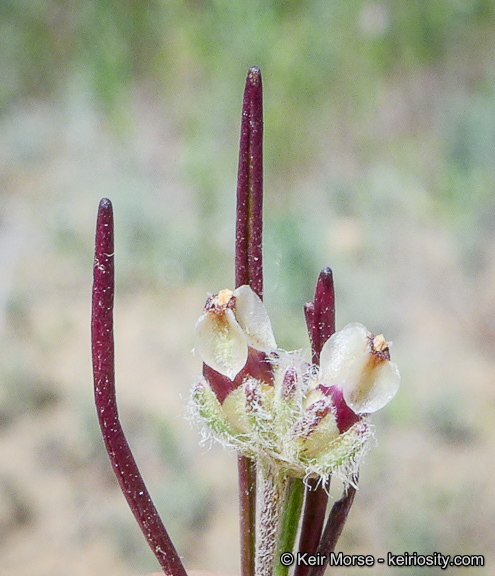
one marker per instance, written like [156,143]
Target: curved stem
[123,463]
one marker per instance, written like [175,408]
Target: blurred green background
[379,161]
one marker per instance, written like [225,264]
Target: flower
[232,323]
[358,363]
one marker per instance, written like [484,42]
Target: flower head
[310,421]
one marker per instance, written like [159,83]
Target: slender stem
[315,506]
[290,522]
[249,270]
[272,493]
[320,319]
[123,463]
[247,508]
[334,526]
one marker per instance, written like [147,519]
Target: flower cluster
[267,403]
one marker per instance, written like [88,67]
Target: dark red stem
[123,463]
[247,510]
[320,320]
[333,529]
[249,270]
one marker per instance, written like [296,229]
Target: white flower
[308,423]
[359,364]
[232,322]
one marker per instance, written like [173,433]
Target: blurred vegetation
[325,60]
[332,68]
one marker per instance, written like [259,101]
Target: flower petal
[340,351]
[353,362]
[253,318]
[366,391]
[221,343]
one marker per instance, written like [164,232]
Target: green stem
[290,521]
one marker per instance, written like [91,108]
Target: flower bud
[206,406]
[312,416]
[289,383]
